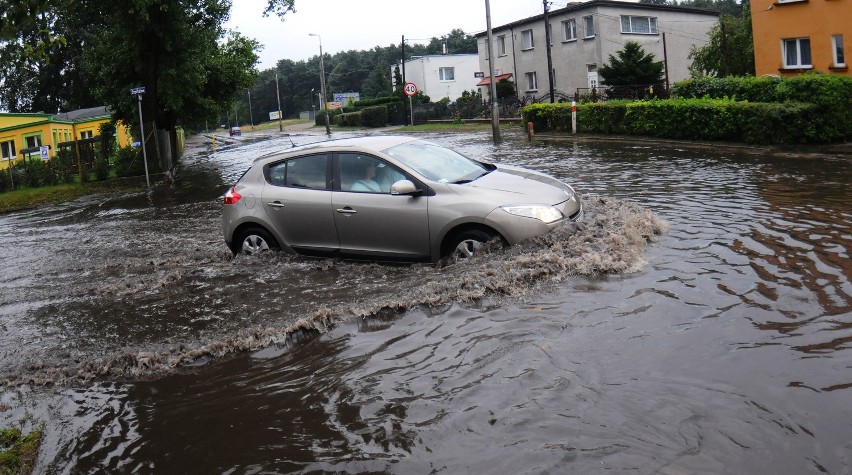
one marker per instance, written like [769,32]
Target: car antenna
[292,143]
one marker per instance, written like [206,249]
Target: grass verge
[18,451]
[31,197]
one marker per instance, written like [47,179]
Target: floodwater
[699,320]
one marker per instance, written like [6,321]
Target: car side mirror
[404,187]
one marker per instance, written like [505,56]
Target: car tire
[466,244]
[254,240]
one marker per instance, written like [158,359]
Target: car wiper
[468,180]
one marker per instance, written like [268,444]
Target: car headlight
[546,214]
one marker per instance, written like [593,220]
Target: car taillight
[231,197]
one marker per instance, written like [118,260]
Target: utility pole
[251,116]
[547,48]
[278,95]
[492,88]
[725,64]
[666,62]
[402,63]
[322,85]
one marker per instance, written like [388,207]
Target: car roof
[368,143]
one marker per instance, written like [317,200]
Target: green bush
[349,119]
[128,162]
[376,116]
[101,166]
[686,119]
[831,93]
[63,165]
[320,116]
[377,101]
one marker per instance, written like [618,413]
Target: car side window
[302,172]
[367,174]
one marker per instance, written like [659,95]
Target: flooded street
[699,320]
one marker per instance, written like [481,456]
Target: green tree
[457,41]
[631,67]
[730,51]
[48,76]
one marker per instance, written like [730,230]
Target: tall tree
[730,51]
[631,67]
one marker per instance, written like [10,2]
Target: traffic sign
[137,90]
[410,89]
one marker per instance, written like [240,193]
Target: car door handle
[346,210]
[275,204]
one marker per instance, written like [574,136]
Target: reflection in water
[721,347]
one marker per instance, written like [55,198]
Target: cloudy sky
[362,24]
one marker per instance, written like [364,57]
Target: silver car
[390,198]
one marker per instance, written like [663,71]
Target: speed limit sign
[410,89]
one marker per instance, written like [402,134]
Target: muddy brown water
[698,321]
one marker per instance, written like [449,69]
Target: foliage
[632,66]
[320,116]
[349,119]
[377,101]
[457,42]
[730,51]
[19,451]
[128,162]
[41,51]
[831,93]
[470,105]
[730,7]
[375,116]
[63,165]
[688,119]
[505,88]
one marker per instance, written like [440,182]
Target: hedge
[376,116]
[378,101]
[349,119]
[812,108]
[686,119]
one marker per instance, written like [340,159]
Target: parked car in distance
[389,198]
[235,131]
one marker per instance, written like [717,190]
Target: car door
[371,221]
[297,199]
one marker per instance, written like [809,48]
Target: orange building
[795,36]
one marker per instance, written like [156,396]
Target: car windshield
[437,163]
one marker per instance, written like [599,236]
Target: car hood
[512,185]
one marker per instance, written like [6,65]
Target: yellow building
[25,135]
[795,36]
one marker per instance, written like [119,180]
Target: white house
[440,76]
[584,35]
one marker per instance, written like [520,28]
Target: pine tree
[632,67]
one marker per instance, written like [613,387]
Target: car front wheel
[467,243]
[254,240]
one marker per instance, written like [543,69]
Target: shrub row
[34,172]
[687,119]
[378,101]
[376,116]
[830,92]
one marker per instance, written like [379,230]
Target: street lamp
[322,85]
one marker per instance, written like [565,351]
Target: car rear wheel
[467,243]
[254,240]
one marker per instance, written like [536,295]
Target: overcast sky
[363,24]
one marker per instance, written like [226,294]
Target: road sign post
[138,91]
[410,90]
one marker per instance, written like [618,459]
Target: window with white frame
[797,52]
[447,74]
[588,26]
[86,134]
[33,141]
[569,30]
[527,41]
[532,83]
[643,25]
[501,45]
[837,50]
[8,148]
